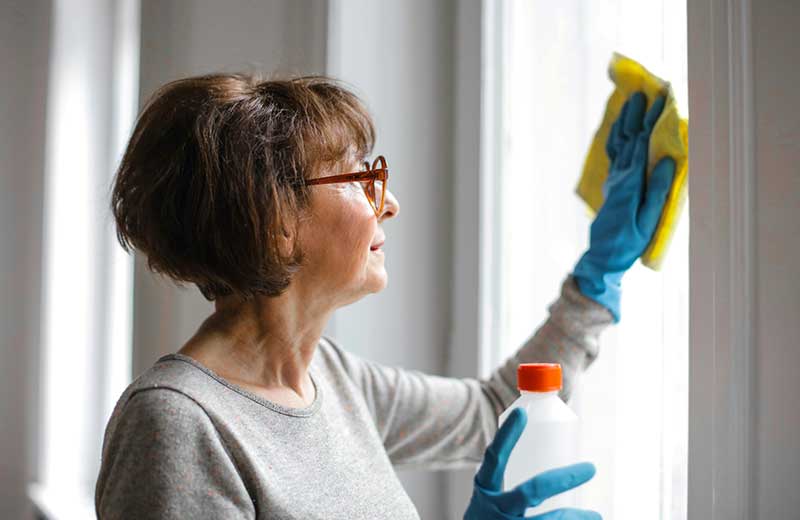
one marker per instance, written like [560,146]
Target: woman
[255,191]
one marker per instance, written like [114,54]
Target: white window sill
[66,504]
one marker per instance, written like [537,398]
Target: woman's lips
[376,246]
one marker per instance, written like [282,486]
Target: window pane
[633,400]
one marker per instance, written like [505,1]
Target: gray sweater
[184,443]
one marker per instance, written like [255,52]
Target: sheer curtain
[633,401]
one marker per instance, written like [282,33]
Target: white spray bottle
[550,438]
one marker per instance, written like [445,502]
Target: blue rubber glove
[628,218]
[489,502]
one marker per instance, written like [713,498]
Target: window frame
[722,268]
[98,349]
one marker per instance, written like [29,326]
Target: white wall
[24,49]
[399,55]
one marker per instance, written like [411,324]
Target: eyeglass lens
[373,189]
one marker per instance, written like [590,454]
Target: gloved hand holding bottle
[628,218]
[489,502]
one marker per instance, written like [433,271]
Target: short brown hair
[213,175]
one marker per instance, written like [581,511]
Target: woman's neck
[263,344]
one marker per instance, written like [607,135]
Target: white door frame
[722,261]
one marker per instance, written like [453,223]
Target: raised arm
[436,422]
[439,422]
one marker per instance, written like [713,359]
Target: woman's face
[343,241]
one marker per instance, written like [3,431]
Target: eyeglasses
[373,180]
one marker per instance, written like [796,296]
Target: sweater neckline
[308,411]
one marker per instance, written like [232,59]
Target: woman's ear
[286,242]
[289,239]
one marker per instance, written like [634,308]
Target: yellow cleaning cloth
[670,137]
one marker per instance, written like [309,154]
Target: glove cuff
[482,506]
[603,287]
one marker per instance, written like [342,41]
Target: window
[553,87]
[87,300]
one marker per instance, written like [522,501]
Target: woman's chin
[384,281]
[378,281]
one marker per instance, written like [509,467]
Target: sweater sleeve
[434,422]
[164,459]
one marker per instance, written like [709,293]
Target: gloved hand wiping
[490,502]
[628,218]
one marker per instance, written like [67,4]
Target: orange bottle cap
[539,377]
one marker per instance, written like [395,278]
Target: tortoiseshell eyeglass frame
[367,178]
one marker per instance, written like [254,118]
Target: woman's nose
[391,206]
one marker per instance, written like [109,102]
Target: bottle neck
[538,395]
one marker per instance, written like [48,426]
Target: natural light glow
[69,281]
[87,298]
[633,400]
[120,327]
